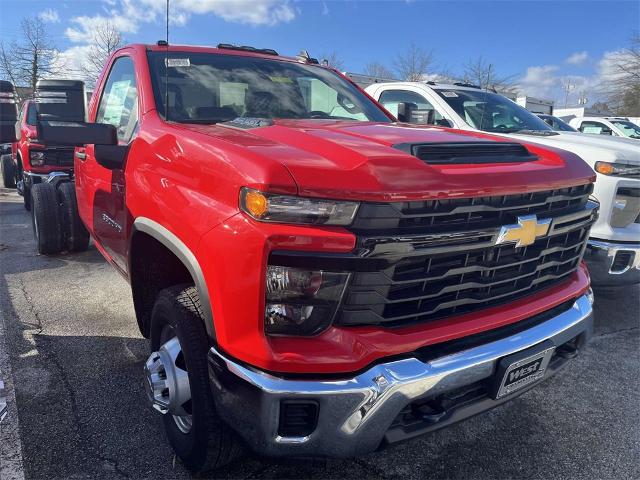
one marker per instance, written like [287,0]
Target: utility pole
[567,89]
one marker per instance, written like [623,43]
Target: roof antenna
[166,71]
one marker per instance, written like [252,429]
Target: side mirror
[76,134]
[111,156]
[7,132]
[443,122]
[410,113]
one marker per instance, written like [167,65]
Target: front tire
[8,171]
[75,235]
[200,438]
[45,218]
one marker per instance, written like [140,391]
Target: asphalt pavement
[71,353]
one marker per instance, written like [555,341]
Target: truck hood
[591,148]
[357,160]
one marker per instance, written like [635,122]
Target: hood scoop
[468,153]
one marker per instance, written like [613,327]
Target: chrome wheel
[167,383]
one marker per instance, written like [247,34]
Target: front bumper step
[357,415]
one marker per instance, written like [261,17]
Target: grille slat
[434,275]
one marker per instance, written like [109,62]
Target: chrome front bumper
[613,264]
[355,414]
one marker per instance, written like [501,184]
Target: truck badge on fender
[525,232]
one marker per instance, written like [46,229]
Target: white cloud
[49,15]
[68,64]
[86,26]
[325,8]
[251,12]
[577,58]
[539,81]
[128,15]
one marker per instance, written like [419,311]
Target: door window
[119,102]
[595,128]
[391,98]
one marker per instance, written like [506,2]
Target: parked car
[612,126]
[34,161]
[8,115]
[613,251]
[556,123]
[314,278]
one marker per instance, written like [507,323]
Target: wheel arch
[184,255]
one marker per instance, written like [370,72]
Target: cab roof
[225,49]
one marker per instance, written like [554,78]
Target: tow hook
[167,384]
[3,402]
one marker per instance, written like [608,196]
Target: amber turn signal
[604,168]
[256,203]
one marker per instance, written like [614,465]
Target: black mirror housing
[410,113]
[76,134]
[7,132]
[111,156]
[443,122]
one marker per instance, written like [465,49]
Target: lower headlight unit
[301,302]
[36,158]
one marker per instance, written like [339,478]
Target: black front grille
[452,214]
[443,260]
[61,157]
[469,152]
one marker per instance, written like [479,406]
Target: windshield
[210,88]
[557,124]
[628,129]
[491,112]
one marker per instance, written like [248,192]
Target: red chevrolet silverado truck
[315,278]
[34,161]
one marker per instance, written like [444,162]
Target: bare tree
[621,80]
[332,59]
[482,73]
[413,64]
[26,61]
[105,40]
[376,69]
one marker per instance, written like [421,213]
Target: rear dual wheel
[8,171]
[45,218]
[75,237]
[56,223]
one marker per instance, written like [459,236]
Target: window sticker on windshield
[178,62]
[115,102]
[280,79]
[450,94]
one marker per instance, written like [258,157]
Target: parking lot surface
[73,357]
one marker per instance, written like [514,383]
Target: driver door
[101,189]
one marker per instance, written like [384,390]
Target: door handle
[81,155]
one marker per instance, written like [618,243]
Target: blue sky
[543,42]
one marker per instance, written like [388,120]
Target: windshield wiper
[542,133]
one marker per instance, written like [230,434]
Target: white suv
[613,251]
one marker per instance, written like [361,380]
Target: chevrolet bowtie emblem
[525,231]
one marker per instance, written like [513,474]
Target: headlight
[617,169]
[270,207]
[36,158]
[301,302]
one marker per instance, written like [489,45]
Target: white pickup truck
[612,126]
[613,251]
